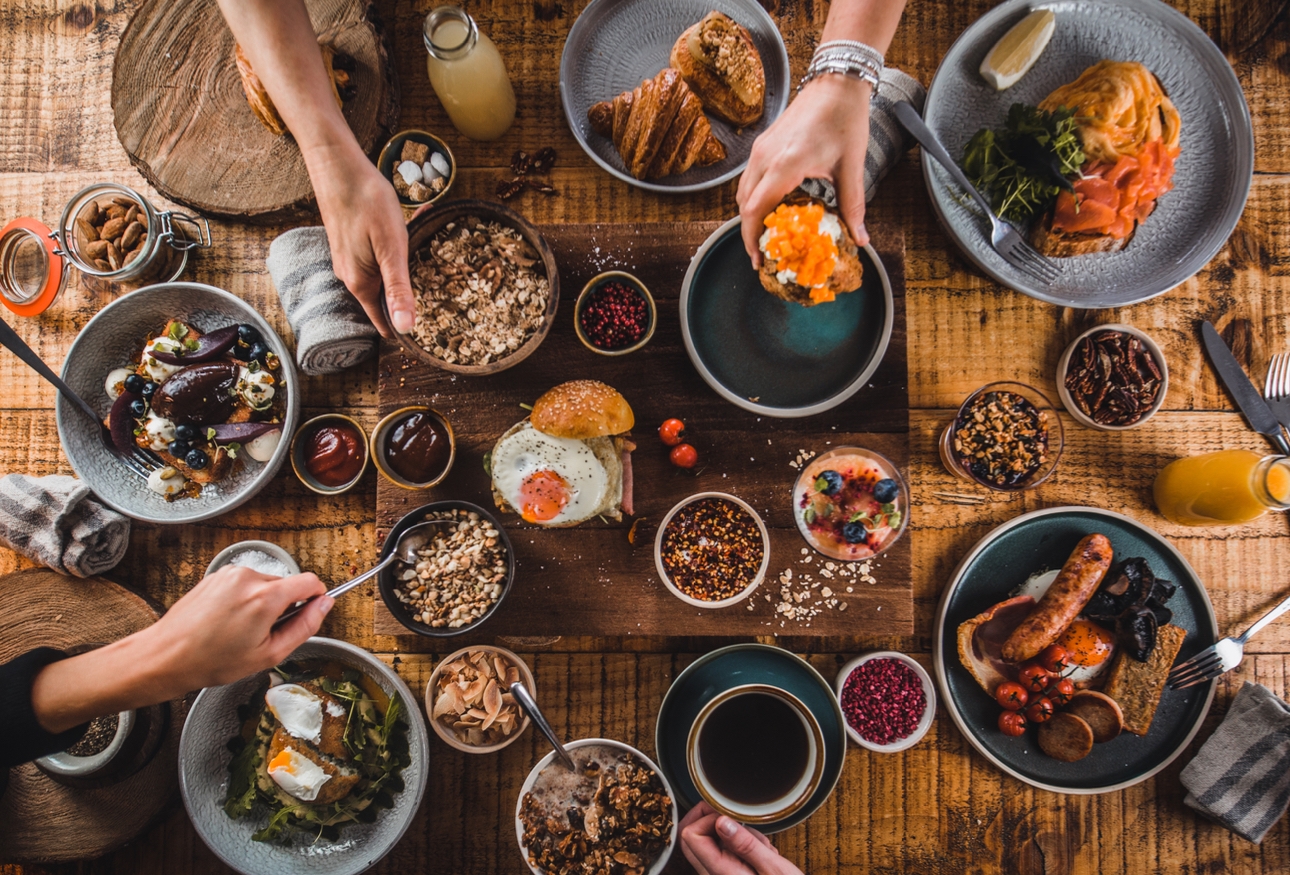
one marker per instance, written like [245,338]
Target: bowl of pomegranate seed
[614,314]
[887,699]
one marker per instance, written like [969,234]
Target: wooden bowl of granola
[486,287]
[454,691]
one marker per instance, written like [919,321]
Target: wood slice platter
[181,114]
[43,821]
[589,580]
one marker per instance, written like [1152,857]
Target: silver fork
[1276,388]
[1222,657]
[1005,239]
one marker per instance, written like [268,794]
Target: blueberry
[241,352]
[196,460]
[139,407]
[179,448]
[829,482]
[854,533]
[248,334]
[185,432]
[886,491]
[259,350]
[150,388]
[134,384]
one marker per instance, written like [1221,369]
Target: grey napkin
[888,139]
[1241,776]
[332,331]
[56,521]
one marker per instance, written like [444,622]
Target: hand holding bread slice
[809,254]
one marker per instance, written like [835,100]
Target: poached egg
[296,774]
[299,711]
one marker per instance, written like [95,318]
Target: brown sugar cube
[415,152]
[400,184]
[418,192]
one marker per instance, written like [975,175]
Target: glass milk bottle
[468,74]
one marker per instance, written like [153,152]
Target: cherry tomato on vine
[1034,677]
[1061,692]
[671,432]
[1040,710]
[1055,659]
[684,456]
[1011,696]
[1012,723]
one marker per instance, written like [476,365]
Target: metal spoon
[530,707]
[405,550]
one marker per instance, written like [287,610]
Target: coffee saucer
[736,665]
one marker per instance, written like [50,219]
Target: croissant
[658,127]
[262,105]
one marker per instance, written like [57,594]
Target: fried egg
[549,480]
[296,774]
[1090,648]
[299,711]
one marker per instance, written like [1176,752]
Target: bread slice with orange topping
[808,254]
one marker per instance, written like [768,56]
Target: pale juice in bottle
[468,74]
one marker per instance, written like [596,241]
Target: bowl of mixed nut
[1007,437]
[486,287]
[469,702]
[1112,377]
[461,575]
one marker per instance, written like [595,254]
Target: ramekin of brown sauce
[414,447]
[329,453]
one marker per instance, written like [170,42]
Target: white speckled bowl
[107,342]
[203,779]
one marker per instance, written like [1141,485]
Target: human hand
[824,133]
[221,630]
[717,845]
[368,237]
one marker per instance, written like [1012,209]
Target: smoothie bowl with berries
[850,503]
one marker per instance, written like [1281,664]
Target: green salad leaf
[241,780]
[1018,167]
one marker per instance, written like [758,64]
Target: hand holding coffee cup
[717,845]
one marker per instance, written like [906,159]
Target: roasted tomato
[1034,677]
[1011,696]
[1055,659]
[1061,692]
[1012,723]
[1040,710]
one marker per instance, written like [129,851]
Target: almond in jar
[468,74]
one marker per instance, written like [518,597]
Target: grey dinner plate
[615,44]
[992,570]
[1212,179]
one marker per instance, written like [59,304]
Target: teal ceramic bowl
[733,666]
[771,356]
[991,571]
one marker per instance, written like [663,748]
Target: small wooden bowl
[429,223]
[382,432]
[449,738]
[391,157]
[631,282]
[299,440]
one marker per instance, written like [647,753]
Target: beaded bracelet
[847,58]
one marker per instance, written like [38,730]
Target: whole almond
[88,231]
[123,201]
[102,265]
[133,254]
[116,211]
[92,212]
[132,214]
[113,228]
[133,233]
[97,249]
[113,257]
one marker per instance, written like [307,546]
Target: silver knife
[1252,404]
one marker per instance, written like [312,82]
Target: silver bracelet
[843,61]
[854,45]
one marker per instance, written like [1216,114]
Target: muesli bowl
[514,257]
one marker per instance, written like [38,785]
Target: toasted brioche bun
[846,276]
[608,451]
[739,102]
[582,409]
[1055,244]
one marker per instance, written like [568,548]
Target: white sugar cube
[429,173]
[439,163]
[410,172]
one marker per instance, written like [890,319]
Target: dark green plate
[998,565]
[734,666]
[771,356]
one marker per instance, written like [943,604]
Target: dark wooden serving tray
[590,580]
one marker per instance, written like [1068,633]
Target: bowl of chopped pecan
[486,287]
[1112,377]
[1006,436]
[614,813]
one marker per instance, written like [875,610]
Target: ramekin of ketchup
[329,453]
[414,447]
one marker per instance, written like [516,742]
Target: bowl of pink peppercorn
[888,701]
[614,314]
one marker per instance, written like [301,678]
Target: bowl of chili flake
[887,699]
[712,550]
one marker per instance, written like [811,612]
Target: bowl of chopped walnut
[1006,436]
[485,285]
[1112,377]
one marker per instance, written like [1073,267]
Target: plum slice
[209,346]
[121,422]
[200,394]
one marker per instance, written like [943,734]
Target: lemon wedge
[1018,49]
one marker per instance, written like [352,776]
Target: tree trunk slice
[181,114]
[45,822]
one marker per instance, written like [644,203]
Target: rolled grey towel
[56,521]
[332,331]
[1241,776]
[888,139]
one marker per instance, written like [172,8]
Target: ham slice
[980,641]
[628,446]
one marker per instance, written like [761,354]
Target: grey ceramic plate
[107,342]
[990,572]
[203,779]
[1211,182]
[615,44]
[773,357]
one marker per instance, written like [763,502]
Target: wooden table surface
[939,807]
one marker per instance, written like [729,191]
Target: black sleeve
[21,736]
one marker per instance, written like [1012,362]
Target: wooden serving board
[590,580]
[182,116]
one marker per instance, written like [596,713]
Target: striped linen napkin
[1241,776]
[332,331]
[56,521]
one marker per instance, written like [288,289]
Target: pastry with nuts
[719,62]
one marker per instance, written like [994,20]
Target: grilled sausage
[1066,737]
[1074,586]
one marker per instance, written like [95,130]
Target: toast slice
[1055,244]
[1136,686]
[717,59]
[846,276]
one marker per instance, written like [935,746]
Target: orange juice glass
[1223,488]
